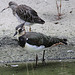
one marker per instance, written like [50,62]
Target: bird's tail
[39,20]
[57,40]
[64,41]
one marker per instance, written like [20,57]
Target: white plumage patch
[22,21]
[33,48]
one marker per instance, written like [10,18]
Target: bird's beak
[15,33]
[5,9]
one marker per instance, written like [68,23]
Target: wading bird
[36,42]
[25,14]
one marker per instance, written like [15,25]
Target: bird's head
[12,5]
[20,30]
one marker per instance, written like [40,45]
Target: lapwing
[25,14]
[36,42]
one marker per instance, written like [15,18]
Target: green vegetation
[53,68]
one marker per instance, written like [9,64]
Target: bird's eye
[20,30]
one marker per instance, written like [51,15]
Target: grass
[53,68]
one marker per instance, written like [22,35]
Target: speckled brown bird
[25,14]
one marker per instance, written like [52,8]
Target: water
[50,68]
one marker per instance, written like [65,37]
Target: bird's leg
[27,65]
[36,59]
[43,60]
[58,10]
[30,28]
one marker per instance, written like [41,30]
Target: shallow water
[9,49]
[52,68]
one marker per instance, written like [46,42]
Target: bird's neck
[21,34]
[14,9]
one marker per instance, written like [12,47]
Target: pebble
[14,65]
[70,51]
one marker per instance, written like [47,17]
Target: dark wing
[38,39]
[34,38]
[41,39]
[54,40]
[26,13]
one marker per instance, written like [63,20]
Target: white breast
[20,20]
[33,48]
